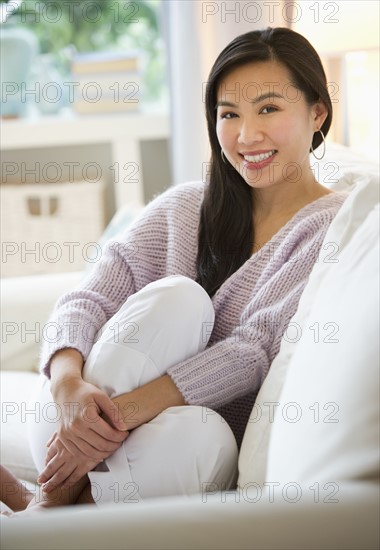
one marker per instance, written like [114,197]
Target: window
[346,35]
[64,28]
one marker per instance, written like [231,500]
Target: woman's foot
[13,493]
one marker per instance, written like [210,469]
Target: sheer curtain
[195,33]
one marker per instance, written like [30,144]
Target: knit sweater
[253,306]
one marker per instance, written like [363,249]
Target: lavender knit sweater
[252,308]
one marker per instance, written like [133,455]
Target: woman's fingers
[52,451]
[53,467]
[112,411]
[60,456]
[86,421]
[64,468]
[84,428]
[83,434]
[94,446]
[64,472]
[51,439]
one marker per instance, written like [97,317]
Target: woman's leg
[183,448]
[163,324]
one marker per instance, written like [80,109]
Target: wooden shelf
[72,130]
[123,133]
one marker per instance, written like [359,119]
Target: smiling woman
[184,332]
[281,105]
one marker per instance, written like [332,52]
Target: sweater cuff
[49,351]
[65,334]
[219,374]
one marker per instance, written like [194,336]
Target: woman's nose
[250,133]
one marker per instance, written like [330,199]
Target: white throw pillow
[254,451]
[326,427]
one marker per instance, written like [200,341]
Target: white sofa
[309,463]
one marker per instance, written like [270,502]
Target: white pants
[184,450]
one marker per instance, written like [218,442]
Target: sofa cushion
[17,390]
[330,432]
[254,451]
[26,304]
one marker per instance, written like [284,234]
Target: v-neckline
[260,255]
[286,225]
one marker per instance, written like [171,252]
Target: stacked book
[105,82]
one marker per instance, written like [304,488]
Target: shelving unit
[72,174]
[114,142]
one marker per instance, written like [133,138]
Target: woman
[189,324]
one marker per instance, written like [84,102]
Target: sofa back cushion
[317,336]
[327,426]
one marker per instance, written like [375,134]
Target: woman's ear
[319,112]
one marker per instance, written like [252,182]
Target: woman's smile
[257,160]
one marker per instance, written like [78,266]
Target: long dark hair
[226,227]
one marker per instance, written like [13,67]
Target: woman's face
[264,125]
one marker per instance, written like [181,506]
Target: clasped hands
[91,429]
[95,429]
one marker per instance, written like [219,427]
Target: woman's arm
[125,267]
[146,402]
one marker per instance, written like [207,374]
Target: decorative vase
[47,79]
[18,48]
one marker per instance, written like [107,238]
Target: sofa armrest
[26,303]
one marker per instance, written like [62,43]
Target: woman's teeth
[259,158]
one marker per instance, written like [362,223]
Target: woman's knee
[175,311]
[165,323]
[178,297]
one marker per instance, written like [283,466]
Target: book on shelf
[110,83]
[106,105]
[106,82]
[84,63]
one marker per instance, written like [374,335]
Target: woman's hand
[82,426]
[83,431]
[62,468]
[83,438]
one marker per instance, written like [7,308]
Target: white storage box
[50,228]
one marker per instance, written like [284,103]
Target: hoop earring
[223,156]
[324,147]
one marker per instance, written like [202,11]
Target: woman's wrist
[146,402]
[66,365]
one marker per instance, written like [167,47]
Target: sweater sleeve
[237,365]
[138,257]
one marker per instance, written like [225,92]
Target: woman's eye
[268,109]
[228,115]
